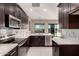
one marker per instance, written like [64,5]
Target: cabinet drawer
[37,41]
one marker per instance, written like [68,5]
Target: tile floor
[40,51]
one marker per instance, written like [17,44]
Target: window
[39,28]
[56,29]
[53,29]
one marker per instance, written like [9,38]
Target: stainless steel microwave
[12,21]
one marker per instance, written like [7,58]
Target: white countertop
[41,34]
[5,48]
[63,41]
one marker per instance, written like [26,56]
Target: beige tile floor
[40,51]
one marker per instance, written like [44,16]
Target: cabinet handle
[12,53]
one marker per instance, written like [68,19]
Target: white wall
[46,22]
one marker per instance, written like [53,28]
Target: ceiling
[45,11]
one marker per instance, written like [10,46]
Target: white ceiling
[51,10]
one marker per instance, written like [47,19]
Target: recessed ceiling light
[45,10]
[65,9]
[30,9]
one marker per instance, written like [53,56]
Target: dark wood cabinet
[6,8]
[2,15]
[63,15]
[18,13]
[65,19]
[13,52]
[74,21]
[37,41]
[65,49]
[14,10]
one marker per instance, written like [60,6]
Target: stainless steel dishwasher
[48,41]
[22,48]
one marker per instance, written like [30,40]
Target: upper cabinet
[1,14]
[12,9]
[6,8]
[17,12]
[65,15]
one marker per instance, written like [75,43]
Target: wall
[46,22]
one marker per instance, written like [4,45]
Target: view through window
[39,28]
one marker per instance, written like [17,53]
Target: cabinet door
[63,15]
[17,12]
[6,8]
[37,41]
[34,41]
[23,18]
[42,40]
[12,9]
[26,19]
[2,15]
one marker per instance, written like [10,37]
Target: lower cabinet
[65,49]
[37,41]
[13,52]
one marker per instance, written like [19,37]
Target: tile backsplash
[70,33]
[6,31]
[19,33]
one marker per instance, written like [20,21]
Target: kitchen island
[65,46]
[40,39]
